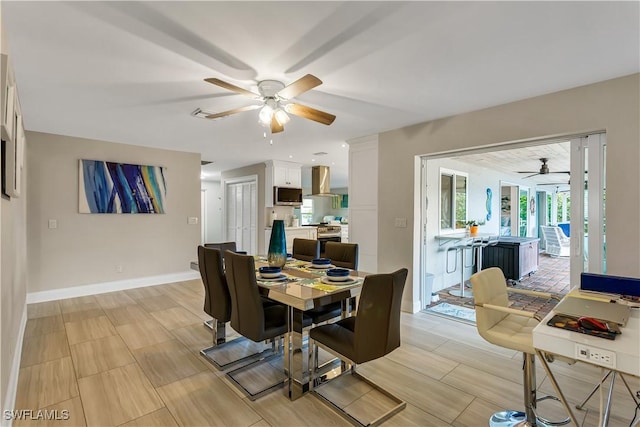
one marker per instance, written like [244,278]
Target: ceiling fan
[275,97]
[544,169]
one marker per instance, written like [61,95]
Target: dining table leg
[296,360]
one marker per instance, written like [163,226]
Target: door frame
[203,215]
[422,205]
[593,147]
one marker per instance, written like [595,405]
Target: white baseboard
[12,386]
[101,288]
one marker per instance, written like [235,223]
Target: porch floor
[552,276]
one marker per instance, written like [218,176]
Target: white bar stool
[461,248]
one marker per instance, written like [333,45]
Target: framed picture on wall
[14,151]
[8,91]
[3,169]
[111,187]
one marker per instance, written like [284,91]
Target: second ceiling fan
[544,169]
[275,97]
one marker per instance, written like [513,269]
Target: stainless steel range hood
[320,181]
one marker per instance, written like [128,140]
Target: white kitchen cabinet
[284,176]
[290,234]
[280,174]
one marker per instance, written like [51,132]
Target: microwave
[285,196]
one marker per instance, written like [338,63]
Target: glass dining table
[301,288]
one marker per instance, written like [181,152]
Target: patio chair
[556,243]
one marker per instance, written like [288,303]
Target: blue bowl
[321,261]
[270,272]
[338,274]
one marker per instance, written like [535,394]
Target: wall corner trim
[101,288]
[12,386]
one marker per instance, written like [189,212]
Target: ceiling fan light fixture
[274,94]
[282,117]
[265,115]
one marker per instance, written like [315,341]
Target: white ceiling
[525,161]
[132,72]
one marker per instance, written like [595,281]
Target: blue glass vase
[277,255]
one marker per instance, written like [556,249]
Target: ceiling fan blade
[561,172]
[300,86]
[310,113]
[531,175]
[529,172]
[275,126]
[232,88]
[234,111]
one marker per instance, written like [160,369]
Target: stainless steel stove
[325,231]
[328,233]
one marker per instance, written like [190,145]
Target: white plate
[350,281]
[321,267]
[273,279]
[338,278]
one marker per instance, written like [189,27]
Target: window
[306,211]
[524,212]
[453,200]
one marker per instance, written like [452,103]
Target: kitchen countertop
[292,228]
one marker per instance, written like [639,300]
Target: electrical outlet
[119,268]
[192,220]
[595,355]
[53,223]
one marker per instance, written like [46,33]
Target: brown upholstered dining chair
[306,249]
[253,320]
[231,246]
[222,246]
[343,255]
[371,334]
[217,304]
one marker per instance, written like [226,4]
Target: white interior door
[241,215]
[588,235]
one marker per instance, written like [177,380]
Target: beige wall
[13,288]
[13,275]
[87,248]
[611,105]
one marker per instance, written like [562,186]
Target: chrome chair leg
[220,343]
[529,368]
[530,416]
[316,383]
[269,354]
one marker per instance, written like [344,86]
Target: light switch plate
[401,222]
[53,223]
[192,220]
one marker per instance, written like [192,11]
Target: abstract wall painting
[110,187]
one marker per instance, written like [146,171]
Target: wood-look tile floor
[132,358]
